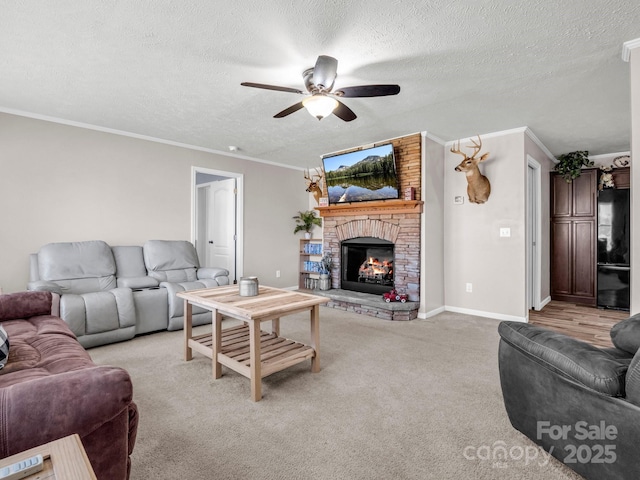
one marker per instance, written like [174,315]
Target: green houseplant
[305,222]
[570,164]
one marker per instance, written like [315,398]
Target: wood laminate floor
[589,324]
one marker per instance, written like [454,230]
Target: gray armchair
[578,402]
[175,265]
[91,303]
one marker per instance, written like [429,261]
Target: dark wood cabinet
[622,177]
[573,238]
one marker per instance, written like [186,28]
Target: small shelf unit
[310,255]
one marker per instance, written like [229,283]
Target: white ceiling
[171,69]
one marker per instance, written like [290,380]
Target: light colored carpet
[394,400]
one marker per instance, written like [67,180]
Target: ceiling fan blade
[343,112]
[289,111]
[324,72]
[272,87]
[368,91]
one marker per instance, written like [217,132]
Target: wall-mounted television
[361,176]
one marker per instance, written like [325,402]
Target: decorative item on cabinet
[606,177]
[622,161]
[570,164]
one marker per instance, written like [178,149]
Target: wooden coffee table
[245,348]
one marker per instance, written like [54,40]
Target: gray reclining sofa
[109,294]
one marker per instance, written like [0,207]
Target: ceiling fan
[321,101]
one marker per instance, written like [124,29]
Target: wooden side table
[64,459]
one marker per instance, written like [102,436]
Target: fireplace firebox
[367,265]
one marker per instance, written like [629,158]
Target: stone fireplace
[382,243]
[401,231]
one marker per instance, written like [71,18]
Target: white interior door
[533,234]
[220,226]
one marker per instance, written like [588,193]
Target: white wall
[473,251]
[62,183]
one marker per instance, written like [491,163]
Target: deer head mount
[478,186]
[314,184]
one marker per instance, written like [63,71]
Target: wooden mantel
[371,208]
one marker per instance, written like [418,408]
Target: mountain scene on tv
[351,178]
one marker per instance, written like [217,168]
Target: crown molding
[431,136]
[526,130]
[537,141]
[627,47]
[487,135]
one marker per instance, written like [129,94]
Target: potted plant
[305,222]
[570,164]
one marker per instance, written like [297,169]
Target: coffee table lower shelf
[276,353]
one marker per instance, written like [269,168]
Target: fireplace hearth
[367,265]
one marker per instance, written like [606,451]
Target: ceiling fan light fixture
[320,106]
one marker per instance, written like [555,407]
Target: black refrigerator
[613,248]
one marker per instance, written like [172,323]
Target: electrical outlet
[505,232]
[277,273]
[469,287]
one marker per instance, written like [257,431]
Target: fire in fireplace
[367,265]
[374,270]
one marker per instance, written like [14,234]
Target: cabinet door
[561,255]
[584,194]
[561,203]
[584,258]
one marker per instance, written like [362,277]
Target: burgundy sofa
[50,388]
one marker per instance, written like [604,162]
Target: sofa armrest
[45,286]
[26,304]
[579,361]
[212,273]
[44,409]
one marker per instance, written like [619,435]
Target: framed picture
[324,202]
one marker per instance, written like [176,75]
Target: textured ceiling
[172,69]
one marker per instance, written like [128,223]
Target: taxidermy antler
[314,184]
[478,186]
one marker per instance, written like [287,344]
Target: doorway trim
[534,216]
[239,213]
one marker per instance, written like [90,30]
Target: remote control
[22,469]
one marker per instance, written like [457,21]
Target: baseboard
[544,302]
[480,313]
[431,313]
